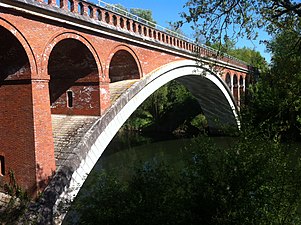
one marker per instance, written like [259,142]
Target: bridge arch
[228,80]
[235,87]
[10,31]
[123,64]
[209,89]
[70,35]
[74,71]
[242,82]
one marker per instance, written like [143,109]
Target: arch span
[69,35]
[15,108]
[6,26]
[124,65]
[14,61]
[208,88]
[74,79]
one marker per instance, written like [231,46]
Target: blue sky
[165,11]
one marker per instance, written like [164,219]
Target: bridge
[72,72]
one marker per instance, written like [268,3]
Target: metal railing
[134,17]
[125,13]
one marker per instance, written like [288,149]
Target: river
[128,150]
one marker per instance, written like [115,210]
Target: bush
[253,181]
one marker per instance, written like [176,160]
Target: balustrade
[109,14]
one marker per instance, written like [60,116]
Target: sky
[165,11]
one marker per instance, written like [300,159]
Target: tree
[144,14]
[275,103]
[165,111]
[156,103]
[250,56]
[214,19]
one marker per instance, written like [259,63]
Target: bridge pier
[26,134]
[26,140]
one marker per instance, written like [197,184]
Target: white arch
[143,89]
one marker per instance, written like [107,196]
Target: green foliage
[199,122]
[144,14]
[214,19]
[275,104]
[250,56]
[254,181]
[166,105]
[156,103]
[15,208]
[251,182]
[177,93]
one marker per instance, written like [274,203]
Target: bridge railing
[142,20]
[113,16]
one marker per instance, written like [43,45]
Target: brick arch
[73,67]
[228,80]
[235,86]
[28,50]
[131,59]
[70,35]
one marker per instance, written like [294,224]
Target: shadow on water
[127,151]
[130,149]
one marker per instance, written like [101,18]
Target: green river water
[129,150]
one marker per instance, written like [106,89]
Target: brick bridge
[72,72]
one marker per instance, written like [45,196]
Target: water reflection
[128,150]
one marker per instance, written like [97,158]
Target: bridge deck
[67,133]
[117,88]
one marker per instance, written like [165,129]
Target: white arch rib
[146,87]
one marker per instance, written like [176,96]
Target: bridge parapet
[112,17]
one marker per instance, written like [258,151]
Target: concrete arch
[26,46]
[217,102]
[131,53]
[69,35]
